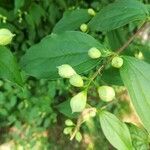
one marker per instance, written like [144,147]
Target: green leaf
[36,12]
[118,14]
[117,38]
[70,47]
[72,19]
[8,66]
[145,49]
[136,77]
[19,4]
[115,131]
[139,137]
[114,79]
[148,7]
[65,109]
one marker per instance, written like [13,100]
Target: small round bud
[76,80]
[66,71]
[83,27]
[93,113]
[67,130]
[106,93]
[139,55]
[91,12]
[88,113]
[68,122]
[94,53]
[5,36]
[4,19]
[78,102]
[117,62]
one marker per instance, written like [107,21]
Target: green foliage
[136,77]
[139,137]
[48,36]
[70,47]
[72,20]
[8,67]
[115,131]
[118,14]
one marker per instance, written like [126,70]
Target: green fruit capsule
[83,27]
[91,12]
[78,102]
[5,36]
[66,71]
[94,53]
[88,113]
[106,93]
[117,62]
[67,130]
[76,80]
[69,122]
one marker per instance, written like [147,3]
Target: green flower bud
[91,12]
[117,62]
[106,93]
[88,113]
[94,53]
[5,36]
[67,130]
[68,122]
[66,71]
[78,102]
[83,27]
[76,80]
[78,136]
[139,55]
[93,112]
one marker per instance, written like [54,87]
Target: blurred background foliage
[33,118]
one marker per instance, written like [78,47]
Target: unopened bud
[76,80]
[117,62]
[94,53]
[106,93]
[5,36]
[91,12]
[78,102]
[84,27]
[66,71]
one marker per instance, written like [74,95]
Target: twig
[118,52]
[131,39]
[80,121]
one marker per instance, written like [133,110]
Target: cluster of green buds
[3,18]
[78,102]
[69,129]
[5,36]
[84,27]
[20,15]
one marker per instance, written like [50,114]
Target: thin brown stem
[79,122]
[131,39]
[118,52]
